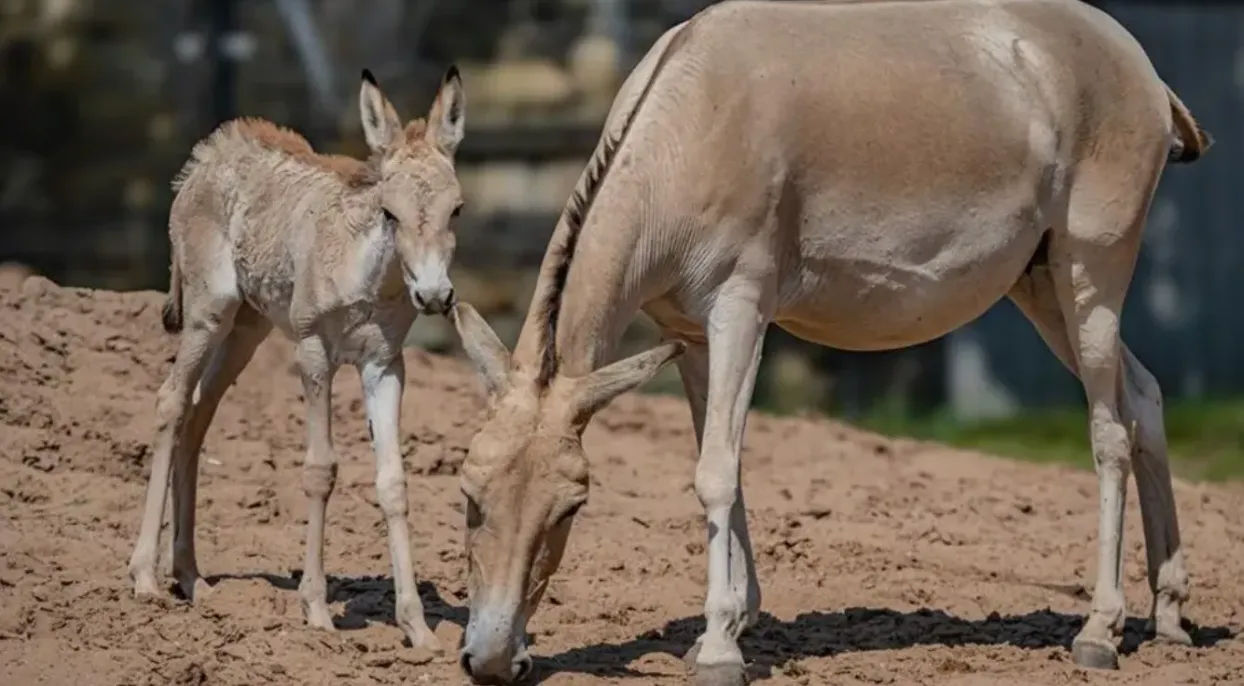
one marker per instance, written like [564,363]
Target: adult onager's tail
[171,315]
[1191,141]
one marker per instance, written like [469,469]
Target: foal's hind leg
[207,322]
[227,362]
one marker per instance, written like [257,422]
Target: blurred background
[101,100]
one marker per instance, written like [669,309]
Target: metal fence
[175,59]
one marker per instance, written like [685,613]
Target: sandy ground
[882,562]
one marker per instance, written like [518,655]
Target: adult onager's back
[866,175]
[340,255]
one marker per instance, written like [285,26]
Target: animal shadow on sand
[368,599]
[772,642]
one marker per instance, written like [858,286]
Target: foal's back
[257,197]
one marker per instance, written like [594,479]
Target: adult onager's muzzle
[491,655]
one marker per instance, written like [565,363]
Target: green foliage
[1206,438]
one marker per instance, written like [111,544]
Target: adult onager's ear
[489,355]
[594,391]
[381,125]
[447,120]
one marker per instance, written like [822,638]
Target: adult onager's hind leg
[736,325]
[382,393]
[693,367]
[1075,303]
[209,321]
[228,360]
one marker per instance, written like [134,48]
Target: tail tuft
[171,314]
[1190,141]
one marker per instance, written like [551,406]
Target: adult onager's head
[781,174]
[524,479]
[418,188]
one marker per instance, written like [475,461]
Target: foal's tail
[171,315]
[1191,141]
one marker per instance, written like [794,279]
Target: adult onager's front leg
[736,326]
[693,367]
[382,391]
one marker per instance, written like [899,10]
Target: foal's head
[419,193]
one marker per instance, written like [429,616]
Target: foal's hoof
[1094,654]
[1171,635]
[692,655]
[425,641]
[725,674]
[145,587]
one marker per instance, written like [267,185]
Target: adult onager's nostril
[523,667]
[464,661]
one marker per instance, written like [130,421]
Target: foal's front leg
[735,335]
[319,475]
[382,391]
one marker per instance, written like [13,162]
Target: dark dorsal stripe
[575,214]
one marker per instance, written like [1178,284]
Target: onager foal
[865,175]
[338,254]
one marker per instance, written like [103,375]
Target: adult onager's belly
[891,286]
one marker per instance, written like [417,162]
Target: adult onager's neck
[606,251]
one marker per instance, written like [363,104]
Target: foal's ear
[596,390]
[381,125]
[447,120]
[487,353]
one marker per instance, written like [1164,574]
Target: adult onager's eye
[570,513]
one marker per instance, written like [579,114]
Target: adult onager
[865,175]
[340,255]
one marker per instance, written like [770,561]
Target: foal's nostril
[464,661]
[450,300]
[523,668]
[419,302]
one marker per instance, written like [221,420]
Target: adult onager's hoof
[193,588]
[724,674]
[1094,653]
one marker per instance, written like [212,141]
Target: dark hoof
[728,674]
[1094,654]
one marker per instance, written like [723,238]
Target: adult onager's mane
[575,215]
[355,173]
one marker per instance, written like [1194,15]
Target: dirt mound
[881,561]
